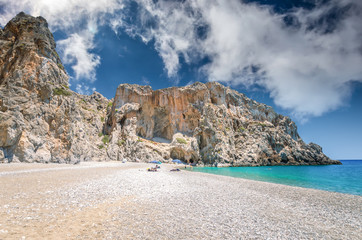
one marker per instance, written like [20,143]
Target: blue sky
[301,57]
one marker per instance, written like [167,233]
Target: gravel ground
[124,201]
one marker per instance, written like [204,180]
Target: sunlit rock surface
[206,124]
[42,120]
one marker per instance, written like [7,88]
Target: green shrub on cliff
[181,140]
[61,92]
[105,139]
[61,66]
[121,142]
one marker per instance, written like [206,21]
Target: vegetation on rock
[181,140]
[61,92]
[105,139]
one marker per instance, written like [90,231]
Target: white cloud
[76,51]
[84,89]
[65,14]
[171,29]
[307,68]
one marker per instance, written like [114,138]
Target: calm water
[346,178]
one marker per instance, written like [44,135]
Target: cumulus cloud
[84,89]
[306,59]
[170,25]
[63,14]
[76,51]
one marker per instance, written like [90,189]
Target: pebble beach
[113,200]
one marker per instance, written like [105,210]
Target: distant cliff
[206,124]
[42,120]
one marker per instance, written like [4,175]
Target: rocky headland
[42,120]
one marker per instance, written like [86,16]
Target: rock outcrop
[42,120]
[205,124]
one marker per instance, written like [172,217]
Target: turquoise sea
[346,178]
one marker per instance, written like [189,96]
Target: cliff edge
[42,120]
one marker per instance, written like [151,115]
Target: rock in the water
[42,120]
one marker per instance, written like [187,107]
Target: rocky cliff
[42,120]
[206,124]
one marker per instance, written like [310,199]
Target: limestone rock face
[41,119]
[207,124]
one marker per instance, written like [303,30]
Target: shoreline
[282,184]
[308,176]
[124,201]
